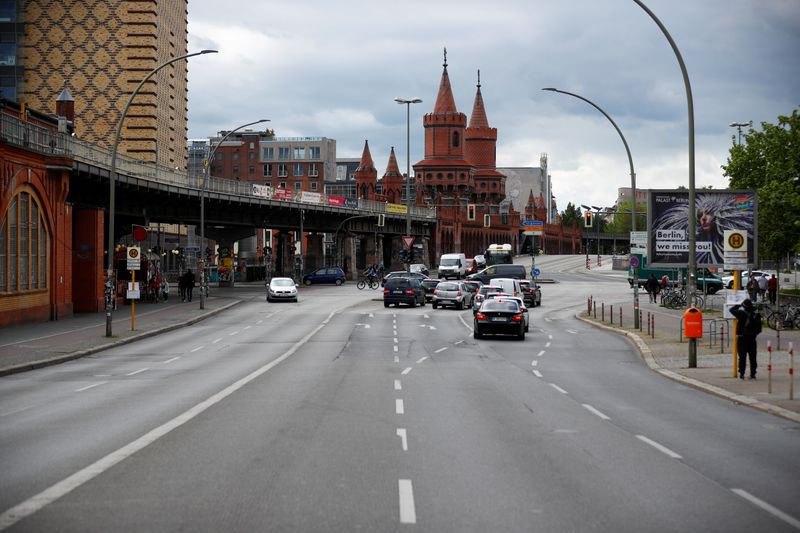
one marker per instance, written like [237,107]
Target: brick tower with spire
[480,149]
[393,181]
[366,176]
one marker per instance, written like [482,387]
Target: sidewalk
[28,346]
[667,354]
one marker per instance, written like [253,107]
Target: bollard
[791,371]
[721,337]
[769,367]
[640,320]
[589,305]
[648,322]
[602,311]
[611,313]
[620,316]
[594,306]
[653,328]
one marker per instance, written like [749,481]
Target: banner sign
[264,191]
[396,208]
[282,194]
[308,197]
[716,210]
[336,200]
[351,203]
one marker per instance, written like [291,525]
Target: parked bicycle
[787,316]
[677,299]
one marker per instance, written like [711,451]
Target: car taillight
[385,291]
[480,316]
[459,292]
[434,291]
[410,291]
[517,318]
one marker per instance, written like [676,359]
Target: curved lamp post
[408,103]
[691,278]
[112,178]
[201,263]
[633,194]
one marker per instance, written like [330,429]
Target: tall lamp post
[408,103]
[633,193]
[691,278]
[112,184]
[739,126]
[201,263]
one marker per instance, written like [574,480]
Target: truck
[707,281]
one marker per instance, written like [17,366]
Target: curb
[89,351]
[647,355]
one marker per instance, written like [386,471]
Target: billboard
[716,211]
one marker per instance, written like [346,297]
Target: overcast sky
[332,69]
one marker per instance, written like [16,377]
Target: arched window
[23,246]
[363,190]
[455,139]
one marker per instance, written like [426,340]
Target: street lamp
[408,103]
[112,178]
[202,262]
[739,126]
[633,194]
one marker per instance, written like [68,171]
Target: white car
[727,280]
[282,289]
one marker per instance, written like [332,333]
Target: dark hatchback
[325,275]
[531,293]
[499,316]
[429,284]
[403,274]
[403,291]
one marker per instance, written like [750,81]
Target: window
[283,171]
[298,169]
[251,146]
[251,170]
[312,170]
[314,152]
[455,139]
[8,54]
[268,170]
[23,246]
[268,154]
[282,185]
[313,185]
[298,185]
[299,152]
[219,155]
[236,169]
[235,156]
[251,155]
[283,153]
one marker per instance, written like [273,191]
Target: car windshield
[445,286]
[449,262]
[397,283]
[283,282]
[489,289]
[500,305]
[430,282]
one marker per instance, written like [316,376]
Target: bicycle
[787,316]
[370,281]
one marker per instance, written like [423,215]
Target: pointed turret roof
[366,159]
[478,117]
[392,169]
[445,103]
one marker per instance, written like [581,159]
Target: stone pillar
[87,260]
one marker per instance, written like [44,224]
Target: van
[510,286]
[452,266]
[499,271]
[707,281]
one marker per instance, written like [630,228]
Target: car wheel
[527,328]
[459,305]
[712,290]
[307,282]
[423,303]
[386,304]
[269,299]
[476,333]
[435,305]
[521,335]
[338,282]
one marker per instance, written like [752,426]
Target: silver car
[282,289]
[453,293]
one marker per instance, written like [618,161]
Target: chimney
[65,104]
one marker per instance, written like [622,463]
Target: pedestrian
[762,287]
[664,282]
[752,289]
[748,326]
[189,284]
[772,289]
[182,286]
[651,286]
[165,289]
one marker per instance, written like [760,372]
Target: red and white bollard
[791,371]
[769,367]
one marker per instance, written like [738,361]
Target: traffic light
[587,221]
[487,221]
[381,220]
[470,211]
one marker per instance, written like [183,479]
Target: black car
[399,290]
[531,293]
[499,315]
[498,271]
[403,274]
[429,284]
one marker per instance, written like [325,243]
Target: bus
[498,254]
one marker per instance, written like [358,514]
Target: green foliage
[622,219]
[572,216]
[769,162]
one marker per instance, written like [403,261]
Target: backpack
[752,326]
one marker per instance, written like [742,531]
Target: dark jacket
[742,315]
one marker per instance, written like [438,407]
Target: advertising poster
[716,211]
[264,191]
[396,208]
[336,200]
[282,194]
[351,203]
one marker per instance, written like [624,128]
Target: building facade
[100,50]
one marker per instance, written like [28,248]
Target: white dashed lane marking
[595,411]
[397,385]
[196,349]
[421,359]
[537,373]
[401,432]
[541,353]
[659,447]
[774,511]
[168,361]
[559,389]
[137,371]
[91,386]
[399,408]
[215,341]
[406,371]
[408,514]
[440,350]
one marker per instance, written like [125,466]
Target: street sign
[536,271]
[735,250]
[634,261]
[134,258]
[407,241]
[139,233]
[532,232]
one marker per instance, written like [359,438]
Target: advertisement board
[264,191]
[336,200]
[396,208]
[282,194]
[308,197]
[716,211]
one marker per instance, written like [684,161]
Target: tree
[769,162]
[572,216]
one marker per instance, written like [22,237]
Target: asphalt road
[335,414]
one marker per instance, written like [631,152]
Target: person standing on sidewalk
[762,287]
[182,286]
[752,289]
[651,286]
[748,327]
[772,289]
[189,283]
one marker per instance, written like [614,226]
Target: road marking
[233,333]
[440,350]
[366,326]
[396,359]
[371,315]
[247,327]
[541,353]
[91,386]
[401,432]
[595,411]
[138,371]
[559,389]
[395,348]
[659,447]
[406,371]
[68,484]
[215,341]
[534,362]
[395,340]
[458,342]
[537,373]
[425,316]
[196,349]
[572,331]
[168,361]
[259,322]
[546,319]
[408,514]
[421,359]
[774,511]
[397,385]
[399,408]
[547,345]
[550,337]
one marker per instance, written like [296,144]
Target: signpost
[734,258]
[407,241]
[134,263]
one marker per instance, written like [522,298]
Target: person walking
[752,289]
[651,286]
[762,287]
[772,289]
[165,289]
[748,326]
[182,286]
[189,284]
